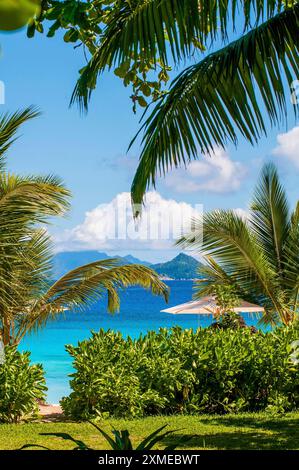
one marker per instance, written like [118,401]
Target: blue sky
[89,152]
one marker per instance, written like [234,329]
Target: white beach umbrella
[207,305]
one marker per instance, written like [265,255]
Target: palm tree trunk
[6,331]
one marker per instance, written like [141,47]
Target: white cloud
[288,146]
[244,214]
[112,227]
[217,173]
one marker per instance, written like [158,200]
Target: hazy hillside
[132,259]
[68,260]
[180,267]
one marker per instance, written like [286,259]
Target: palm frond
[214,100]
[9,125]
[25,269]
[31,198]
[87,284]
[291,258]
[211,274]
[258,256]
[156,29]
[23,203]
[214,275]
[228,240]
[269,317]
[270,215]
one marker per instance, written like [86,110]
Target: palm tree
[34,301]
[258,255]
[27,298]
[226,93]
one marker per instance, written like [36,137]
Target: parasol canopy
[207,305]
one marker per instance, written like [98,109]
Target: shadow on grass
[250,434]
[54,418]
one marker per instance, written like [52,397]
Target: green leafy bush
[21,385]
[172,371]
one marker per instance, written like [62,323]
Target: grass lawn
[242,431]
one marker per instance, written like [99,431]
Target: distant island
[179,268]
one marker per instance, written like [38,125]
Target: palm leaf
[258,256]
[9,125]
[34,197]
[87,284]
[211,274]
[270,215]
[109,439]
[147,441]
[23,203]
[156,29]
[210,103]
[24,273]
[214,275]
[291,259]
[227,238]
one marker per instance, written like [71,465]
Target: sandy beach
[50,412]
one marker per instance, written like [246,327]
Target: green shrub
[21,385]
[172,371]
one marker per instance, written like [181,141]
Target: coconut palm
[35,300]
[24,201]
[233,88]
[27,297]
[257,255]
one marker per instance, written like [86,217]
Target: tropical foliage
[182,371]
[258,255]
[237,89]
[225,315]
[84,24]
[27,297]
[295,352]
[22,385]
[24,202]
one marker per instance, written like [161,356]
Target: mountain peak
[182,257]
[181,267]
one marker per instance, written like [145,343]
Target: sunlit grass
[242,431]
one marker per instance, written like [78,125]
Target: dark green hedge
[173,371]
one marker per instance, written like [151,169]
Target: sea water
[140,312]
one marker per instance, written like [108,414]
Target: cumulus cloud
[244,214]
[288,146]
[111,226]
[217,173]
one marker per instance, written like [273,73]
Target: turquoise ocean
[140,312]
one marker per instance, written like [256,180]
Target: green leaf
[146,90]
[31,30]
[72,35]
[141,101]
[52,30]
